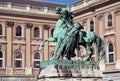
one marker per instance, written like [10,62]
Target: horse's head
[79,26]
[65,12]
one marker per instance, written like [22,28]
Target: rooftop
[34,3]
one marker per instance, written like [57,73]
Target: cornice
[28,15]
[92,7]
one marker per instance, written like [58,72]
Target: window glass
[52,32]
[110,53]
[36,32]
[92,26]
[1,63]
[18,59]
[18,30]
[110,47]
[1,54]
[1,59]
[1,29]
[111,58]
[109,20]
[36,60]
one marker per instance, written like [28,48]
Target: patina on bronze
[69,37]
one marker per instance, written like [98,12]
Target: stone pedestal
[70,72]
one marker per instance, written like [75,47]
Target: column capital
[117,10]
[100,16]
[10,23]
[46,27]
[29,25]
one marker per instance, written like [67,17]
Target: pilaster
[46,47]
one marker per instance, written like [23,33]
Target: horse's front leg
[48,39]
[89,51]
[55,56]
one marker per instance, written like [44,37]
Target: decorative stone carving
[29,25]
[19,46]
[84,21]
[117,10]
[46,27]
[9,71]
[28,71]
[10,23]
[100,16]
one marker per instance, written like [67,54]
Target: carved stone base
[70,72]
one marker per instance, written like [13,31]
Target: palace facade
[25,24]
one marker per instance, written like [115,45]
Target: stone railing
[82,4]
[26,8]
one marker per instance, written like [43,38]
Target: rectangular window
[1,63]
[18,64]
[1,30]
[111,58]
[36,64]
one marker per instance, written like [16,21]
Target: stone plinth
[74,71]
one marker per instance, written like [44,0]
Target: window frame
[36,59]
[3,60]
[19,59]
[93,25]
[109,53]
[89,20]
[52,30]
[22,31]
[3,29]
[106,21]
[40,32]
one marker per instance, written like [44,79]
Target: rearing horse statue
[61,28]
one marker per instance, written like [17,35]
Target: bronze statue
[69,38]
[66,16]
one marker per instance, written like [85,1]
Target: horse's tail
[101,48]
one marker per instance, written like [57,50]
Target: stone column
[117,25]
[28,68]
[100,24]
[9,54]
[46,46]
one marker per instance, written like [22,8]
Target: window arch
[18,57]
[110,52]
[36,60]
[1,29]
[36,32]
[52,32]
[2,59]
[109,23]
[109,20]
[18,30]
[92,26]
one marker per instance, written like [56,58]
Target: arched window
[36,60]
[1,29]
[1,59]
[52,32]
[109,18]
[18,59]
[110,53]
[92,26]
[18,30]
[37,32]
